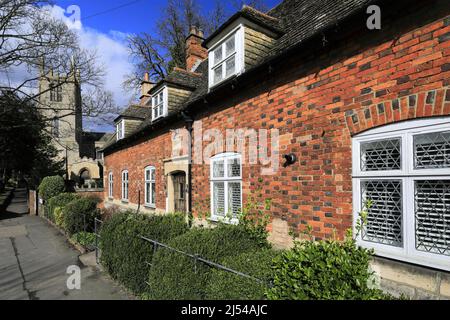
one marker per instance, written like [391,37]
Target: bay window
[226,187]
[401,180]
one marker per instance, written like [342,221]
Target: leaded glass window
[432,150]
[381,155]
[401,187]
[384,218]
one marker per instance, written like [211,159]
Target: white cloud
[110,47]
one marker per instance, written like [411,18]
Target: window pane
[230,67]
[432,150]
[161,110]
[218,55]
[432,214]
[147,192]
[384,218]
[234,198]
[381,155]
[234,168]
[230,46]
[218,74]
[153,193]
[219,198]
[153,175]
[147,175]
[218,169]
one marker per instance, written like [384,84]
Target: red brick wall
[134,159]
[318,110]
[318,102]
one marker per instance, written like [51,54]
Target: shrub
[125,255]
[58,216]
[229,286]
[86,239]
[79,214]
[324,270]
[51,186]
[59,201]
[173,275]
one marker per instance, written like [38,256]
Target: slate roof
[135,112]
[296,21]
[269,22]
[181,78]
[302,19]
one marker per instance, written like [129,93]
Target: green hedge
[79,214]
[224,285]
[172,275]
[51,187]
[59,201]
[85,239]
[124,254]
[324,270]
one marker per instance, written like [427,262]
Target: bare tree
[35,41]
[158,54]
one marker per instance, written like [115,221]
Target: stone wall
[411,281]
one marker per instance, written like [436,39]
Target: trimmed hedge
[324,270]
[224,285]
[173,275]
[59,201]
[79,214]
[51,187]
[85,239]
[124,254]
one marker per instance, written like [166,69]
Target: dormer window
[120,130]
[226,57]
[159,104]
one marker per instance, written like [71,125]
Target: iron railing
[198,259]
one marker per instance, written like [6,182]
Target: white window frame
[225,157]
[408,175]
[120,130]
[148,183]
[165,103]
[238,33]
[111,185]
[125,185]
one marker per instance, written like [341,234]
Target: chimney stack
[195,53]
[146,86]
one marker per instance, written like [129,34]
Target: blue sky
[134,16]
[104,27]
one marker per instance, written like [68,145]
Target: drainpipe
[189,122]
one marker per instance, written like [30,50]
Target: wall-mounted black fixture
[290,159]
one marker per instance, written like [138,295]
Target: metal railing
[97,225]
[156,244]
[198,259]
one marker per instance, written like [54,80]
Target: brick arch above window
[424,104]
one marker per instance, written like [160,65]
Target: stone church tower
[61,101]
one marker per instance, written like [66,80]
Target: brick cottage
[354,119]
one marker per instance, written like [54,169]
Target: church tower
[60,100]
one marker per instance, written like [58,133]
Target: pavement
[35,257]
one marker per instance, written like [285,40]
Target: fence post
[96,240]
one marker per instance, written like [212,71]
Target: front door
[179,188]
